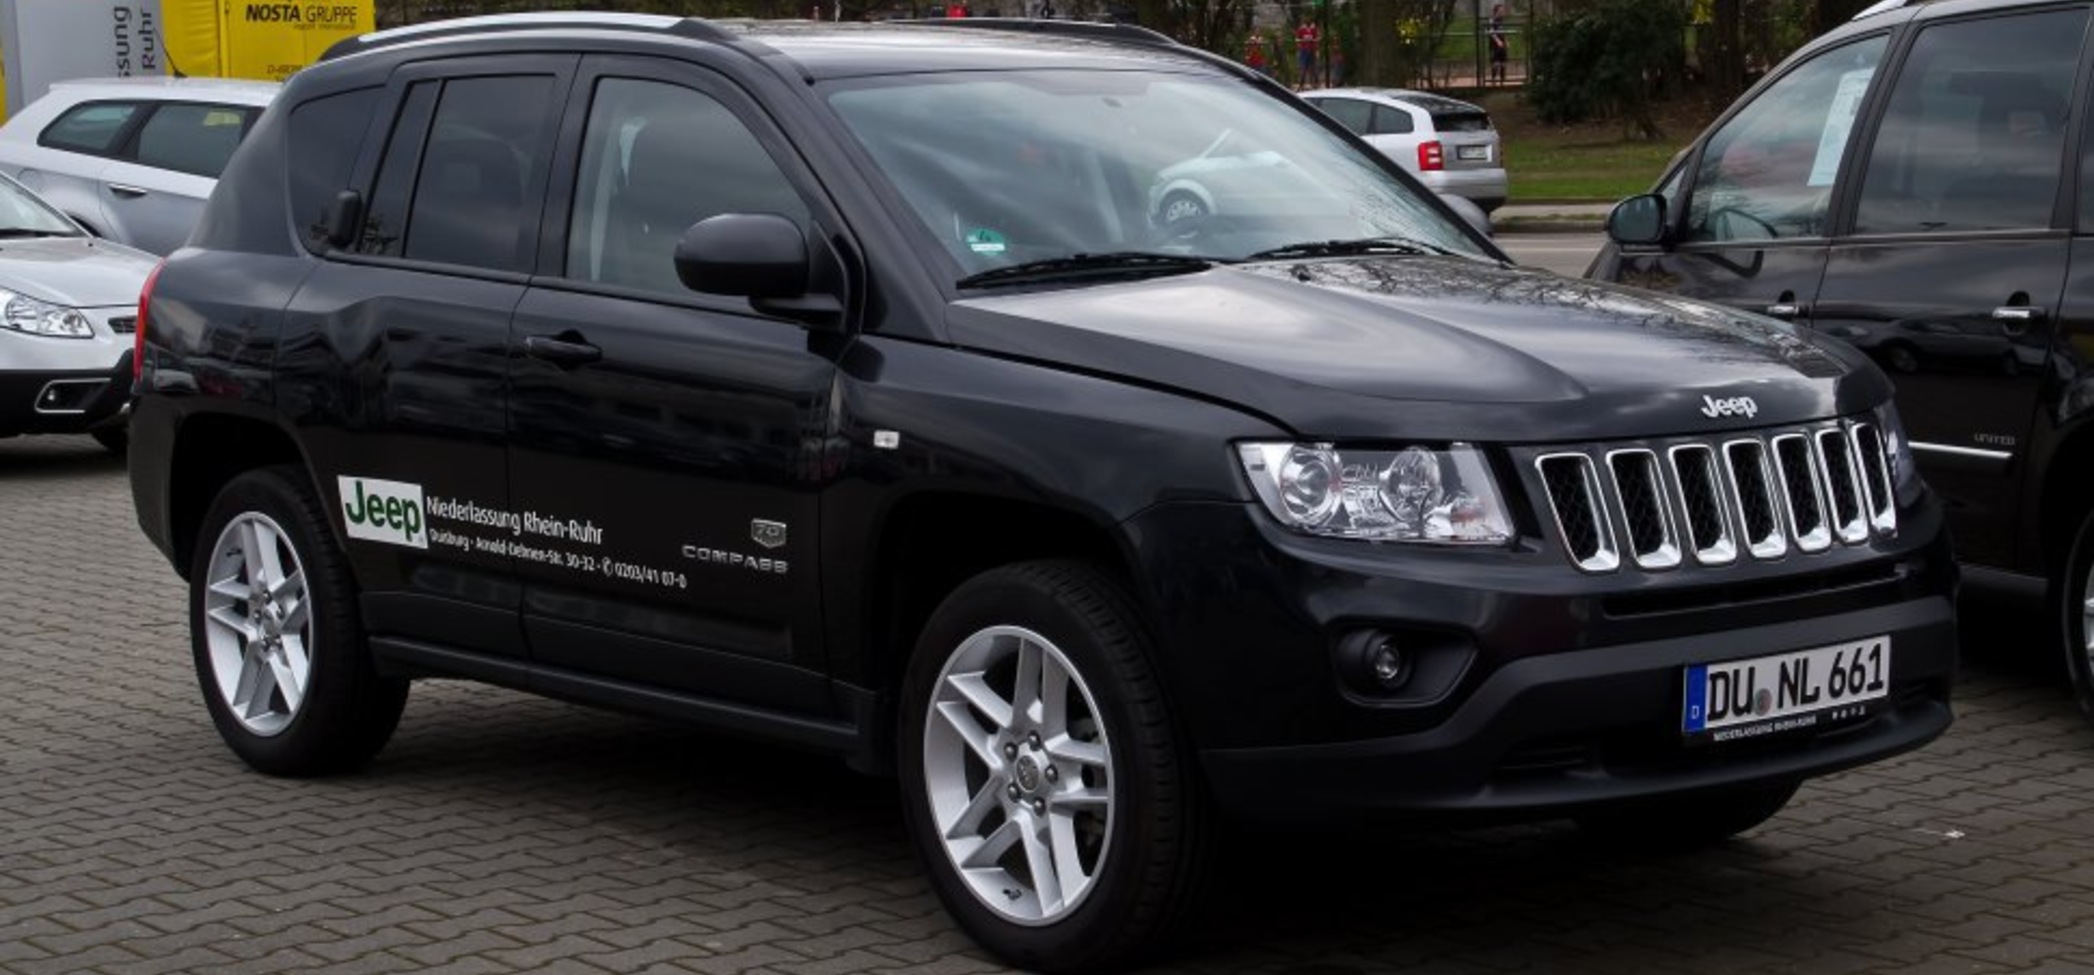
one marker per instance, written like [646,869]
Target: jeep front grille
[1715,501]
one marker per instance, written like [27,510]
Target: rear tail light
[145,297]
[1430,157]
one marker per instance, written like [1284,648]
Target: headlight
[1904,474]
[25,314]
[1415,494]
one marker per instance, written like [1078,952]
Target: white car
[131,159]
[1448,144]
[68,309]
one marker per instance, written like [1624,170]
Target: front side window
[194,139]
[1973,138]
[1014,167]
[1768,173]
[656,159]
[93,127]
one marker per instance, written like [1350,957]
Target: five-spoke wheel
[257,629]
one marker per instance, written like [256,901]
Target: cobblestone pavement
[501,833]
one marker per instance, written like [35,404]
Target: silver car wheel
[258,624]
[1019,774]
[2086,619]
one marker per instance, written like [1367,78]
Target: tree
[1608,59]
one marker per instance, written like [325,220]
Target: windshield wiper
[1349,248]
[1084,265]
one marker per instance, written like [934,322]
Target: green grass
[1544,169]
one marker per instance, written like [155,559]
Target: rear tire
[1058,813]
[2075,615]
[280,653]
[1679,823]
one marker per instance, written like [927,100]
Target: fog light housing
[1374,662]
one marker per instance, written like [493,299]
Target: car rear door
[153,191]
[1953,274]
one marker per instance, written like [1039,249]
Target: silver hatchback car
[131,159]
[1448,144]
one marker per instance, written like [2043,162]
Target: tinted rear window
[1461,122]
[194,139]
[93,127]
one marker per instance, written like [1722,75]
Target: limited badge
[769,534]
[985,241]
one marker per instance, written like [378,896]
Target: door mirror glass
[747,255]
[1638,220]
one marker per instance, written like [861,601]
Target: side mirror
[747,255]
[759,256]
[344,218]
[1469,212]
[1638,220]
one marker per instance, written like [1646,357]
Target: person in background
[1306,37]
[1500,43]
[1254,54]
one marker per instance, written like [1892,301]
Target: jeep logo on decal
[769,534]
[383,511]
[1712,407]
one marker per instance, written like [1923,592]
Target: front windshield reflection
[22,214]
[1011,167]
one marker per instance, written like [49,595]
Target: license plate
[1474,153]
[1739,699]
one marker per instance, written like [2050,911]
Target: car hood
[78,272]
[1433,348]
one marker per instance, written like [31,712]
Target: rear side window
[324,138]
[1350,112]
[194,139]
[1392,121]
[484,146]
[93,127]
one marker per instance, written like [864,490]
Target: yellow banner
[265,39]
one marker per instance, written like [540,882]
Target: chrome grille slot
[1701,491]
[1802,492]
[1574,497]
[1875,479]
[1641,490]
[1752,484]
[1842,485]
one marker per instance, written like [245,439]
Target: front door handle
[566,350]
[1787,309]
[2014,320]
[127,192]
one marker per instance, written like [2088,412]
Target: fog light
[1373,662]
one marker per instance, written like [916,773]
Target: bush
[1608,59]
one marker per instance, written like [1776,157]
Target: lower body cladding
[63,402]
[1332,678]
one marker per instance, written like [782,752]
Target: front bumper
[64,400]
[1537,690]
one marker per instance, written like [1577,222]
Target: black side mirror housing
[746,255]
[1638,220]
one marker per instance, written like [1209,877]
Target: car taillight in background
[1430,157]
[145,297]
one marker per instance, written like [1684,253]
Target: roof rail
[1883,7]
[682,26]
[1100,30]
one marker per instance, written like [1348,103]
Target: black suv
[871,388]
[1918,182]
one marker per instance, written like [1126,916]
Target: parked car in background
[68,306]
[1917,182]
[1448,144]
[131,159]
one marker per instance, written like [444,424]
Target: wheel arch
[211,450]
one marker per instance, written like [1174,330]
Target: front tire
[280,653]
[1680,823]
[1053,804]
[2076,615]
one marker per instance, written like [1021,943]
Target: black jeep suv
[1069,421]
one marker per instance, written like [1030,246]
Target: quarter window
[1768,172]
[1393,121]
[325,136]
[658,158]
[1350,112]
[1973,138]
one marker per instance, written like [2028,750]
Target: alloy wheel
[258,624]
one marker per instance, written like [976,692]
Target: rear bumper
[1484,187]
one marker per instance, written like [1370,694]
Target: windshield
[22,214]
[1013,167]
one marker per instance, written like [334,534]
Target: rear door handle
[565,351]
[127,192]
